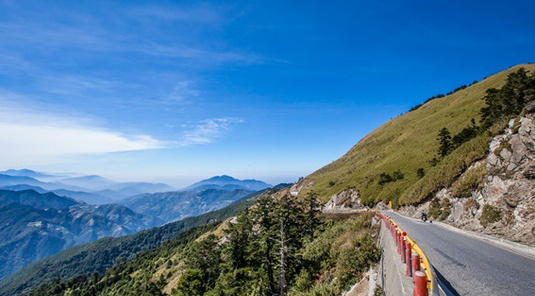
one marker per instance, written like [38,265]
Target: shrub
[440,210]
[467,134]
[386,178]
[434,208]
[490,214]
[469,182]
[470,203]
[420,172]
[504,144]
[398,175]
[355,260]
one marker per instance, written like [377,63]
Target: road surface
[468,265]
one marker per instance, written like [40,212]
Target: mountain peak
[229,183]
[223,177]
[24,173]
[19,171]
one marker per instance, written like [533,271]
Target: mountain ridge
[219,182]
[177,205]
[36,225]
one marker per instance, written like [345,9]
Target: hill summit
[225,182]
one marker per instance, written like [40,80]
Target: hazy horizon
[178,181]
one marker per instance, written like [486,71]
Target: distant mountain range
[35,225]
[92,182]
[90,198]
[38,200]
[172,206]
[28,173]
[228,183]
[91,189]
[44,213]
[106,252]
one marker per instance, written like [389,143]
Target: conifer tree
[444,139]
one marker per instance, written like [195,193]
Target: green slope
[405,143]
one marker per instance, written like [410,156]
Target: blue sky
[180,90]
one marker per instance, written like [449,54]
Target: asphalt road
[469,265]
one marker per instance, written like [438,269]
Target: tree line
[500,105]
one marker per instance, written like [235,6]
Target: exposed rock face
[508,185]
[346,199]
[300,185]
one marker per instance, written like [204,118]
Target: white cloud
[183,91]
[206,131]
[29,137]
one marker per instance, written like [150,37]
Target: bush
[387,178]
[490,214]
[420,172]
[440,210]
[354,261]
[398,175]
[471,181]
[384,178]
[470,203]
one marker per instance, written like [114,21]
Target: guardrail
[417,264]
[347,211]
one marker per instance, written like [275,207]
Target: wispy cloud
[73,84]
[29,136]
[85,33]
[200,13]
[207,131]
[182,93]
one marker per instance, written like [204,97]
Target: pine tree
[444,139]
[311,219]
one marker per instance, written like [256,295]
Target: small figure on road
[424,216]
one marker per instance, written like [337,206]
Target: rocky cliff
[495,195]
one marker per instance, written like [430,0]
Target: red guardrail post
[402,248]
[420,284]
[415,258]
[398,235]
[408,252]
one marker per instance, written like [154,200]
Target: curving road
[470,266]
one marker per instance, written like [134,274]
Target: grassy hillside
[405,144]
